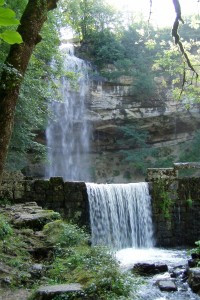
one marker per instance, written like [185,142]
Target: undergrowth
[72,260]
[93,267]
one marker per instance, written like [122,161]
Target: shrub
[5,228]
[65,234]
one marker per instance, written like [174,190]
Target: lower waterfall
[120,215]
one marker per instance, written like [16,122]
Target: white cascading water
[120,215]
[68,133]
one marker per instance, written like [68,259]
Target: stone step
[50,291]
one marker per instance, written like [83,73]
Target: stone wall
[175,208]
[67,198]
[175,202]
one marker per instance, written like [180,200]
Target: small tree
[32,20]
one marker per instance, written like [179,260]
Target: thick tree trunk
[15,67]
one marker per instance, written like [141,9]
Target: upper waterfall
[120,215]
[68,133]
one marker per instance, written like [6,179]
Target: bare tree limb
[150,10]
[179,43]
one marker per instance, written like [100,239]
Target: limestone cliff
[112,105]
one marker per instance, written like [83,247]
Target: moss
[56,181]
[162,197]
[5,228]
[41,185]
[189,190]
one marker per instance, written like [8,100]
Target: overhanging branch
[177,38]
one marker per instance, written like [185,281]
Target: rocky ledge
[24,260]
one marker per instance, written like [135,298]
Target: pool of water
[174,258]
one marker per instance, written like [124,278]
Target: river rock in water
[147,269]
[167,285]
[194,280]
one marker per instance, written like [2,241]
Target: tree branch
[178,41]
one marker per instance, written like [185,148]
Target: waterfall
[120,215]
[68,133]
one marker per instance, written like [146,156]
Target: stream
[176,261]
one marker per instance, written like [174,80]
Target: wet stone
[147,269]
[192,263]
[50,291]
[167,285]
[194,280]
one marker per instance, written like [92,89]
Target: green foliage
[160,189]
[166,204]
[105,43]
[105,48]
[163,157]
[72,260]
[88,16]
[93,267]
[65,234]
[116,172]
[197,249]
[37,90]
[13,252]
[5,228]
[189,202]
[174,67]
[11,37]
[190,150]
[136,150]
[8,18]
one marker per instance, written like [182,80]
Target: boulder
[194,279]
[37,271]
[147,269]
[32,216]
[192,263]
[167,285]
[50,291]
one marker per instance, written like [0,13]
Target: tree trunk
[15,66]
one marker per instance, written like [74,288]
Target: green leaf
[1,2]
[8,22]
[11,37]
[7,17]
[6,13]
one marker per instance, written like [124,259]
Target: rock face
[111,106]
[32,216]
